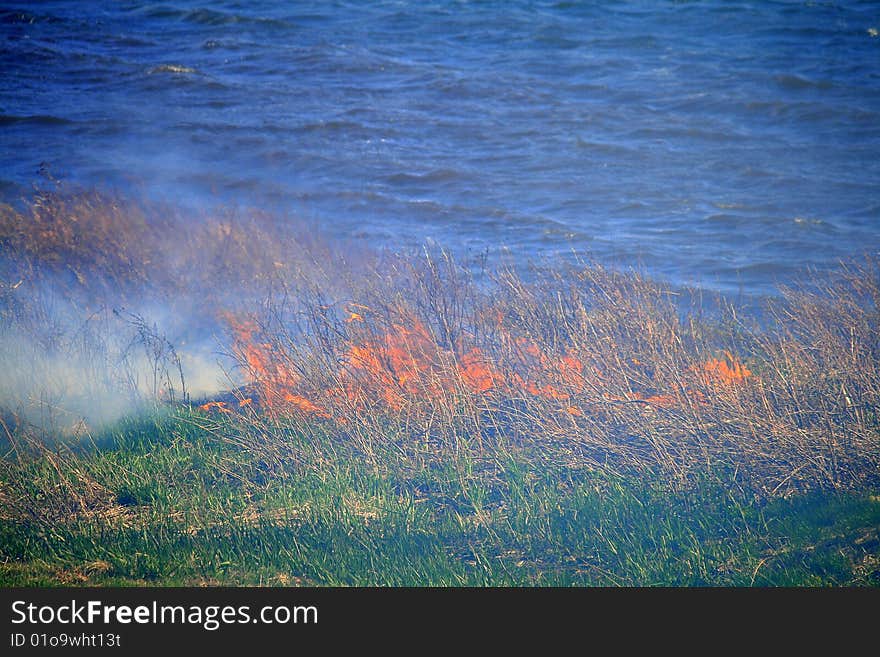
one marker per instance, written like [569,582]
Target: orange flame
[476,373]
[404,366]
[725,371]
[218,405]
[305,405]
[277,383]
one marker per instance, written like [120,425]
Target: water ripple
[723,142]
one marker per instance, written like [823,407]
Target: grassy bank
[230,399]
[196,500]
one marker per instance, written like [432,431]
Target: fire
[476,373]
[546,375]
[276,382]
[725,371]
[407,364]
[218,405]
[663,401]
[403,367]
[394,366]
[304,404]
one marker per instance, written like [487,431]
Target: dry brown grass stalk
[583,365]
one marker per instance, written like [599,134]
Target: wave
[796,82]
[177,69]
[34,119]
[434,176]
[21,17]
[208,17]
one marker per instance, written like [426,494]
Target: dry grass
[591,367]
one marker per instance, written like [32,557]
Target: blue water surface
[724,144]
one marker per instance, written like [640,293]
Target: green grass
[411,422]
[190,499]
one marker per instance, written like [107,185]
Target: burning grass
[610,369]
[420,397]
[604,368]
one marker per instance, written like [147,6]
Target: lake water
[725,144]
